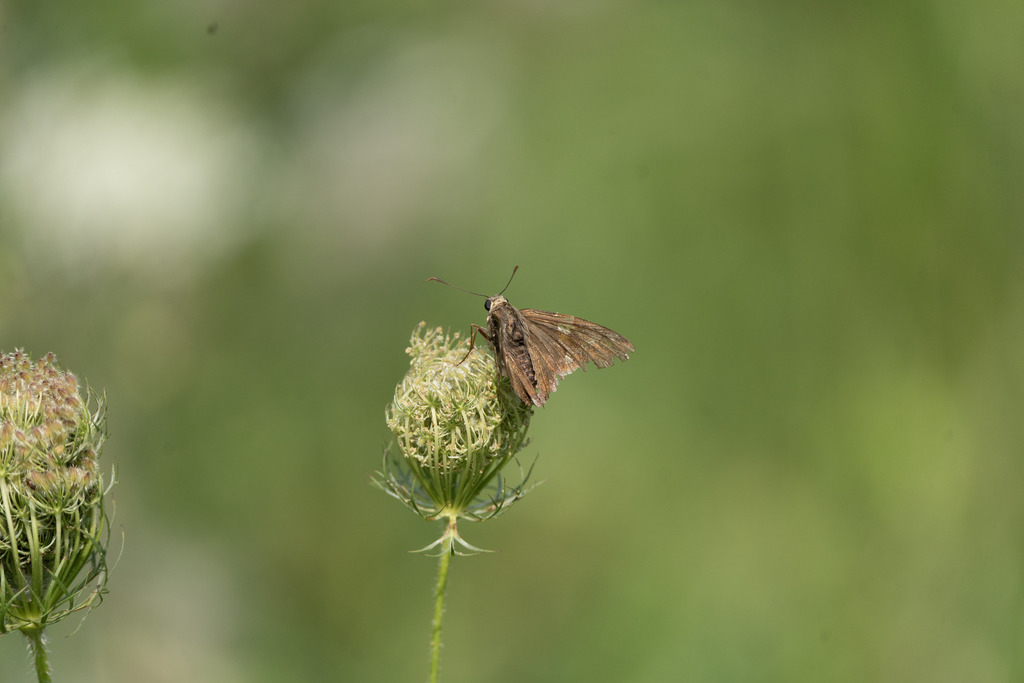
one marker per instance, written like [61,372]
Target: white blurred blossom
[103,168]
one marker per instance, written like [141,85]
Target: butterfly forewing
[581,340]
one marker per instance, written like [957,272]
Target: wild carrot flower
[53,525]
[456,426]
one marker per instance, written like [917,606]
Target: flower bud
[456,425]
[53,527]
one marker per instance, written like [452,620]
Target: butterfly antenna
[509,280]
[437,279]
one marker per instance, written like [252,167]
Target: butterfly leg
[474,329]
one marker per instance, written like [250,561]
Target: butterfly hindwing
[510,338]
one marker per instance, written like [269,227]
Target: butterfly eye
[487,305]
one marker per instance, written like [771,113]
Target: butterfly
[535,349]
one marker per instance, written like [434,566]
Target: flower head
[52,521]
[456,425]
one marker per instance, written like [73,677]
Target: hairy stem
[442,584]
[37,645]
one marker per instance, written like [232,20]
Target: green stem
[442,583]
[37,645]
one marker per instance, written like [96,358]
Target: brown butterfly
[535,348]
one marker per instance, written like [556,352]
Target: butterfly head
[495,301]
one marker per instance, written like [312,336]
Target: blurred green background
[807,217]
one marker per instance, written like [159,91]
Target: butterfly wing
[507,332]
[560,344]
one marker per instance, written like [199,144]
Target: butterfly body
[535,349]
